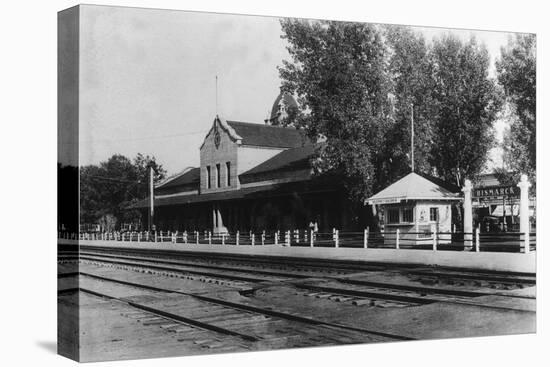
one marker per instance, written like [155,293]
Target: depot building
[251,176]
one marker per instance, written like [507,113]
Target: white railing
[436,241]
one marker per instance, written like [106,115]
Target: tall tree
[107,189]
[516,71]
[410,72]
[338,75]
[466,104]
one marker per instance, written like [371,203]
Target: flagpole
[412,137]
[151,199]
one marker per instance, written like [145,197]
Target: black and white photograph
[230,183]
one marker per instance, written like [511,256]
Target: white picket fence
[458,241]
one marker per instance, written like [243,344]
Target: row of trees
[358,85]
[517,74]
[109,188]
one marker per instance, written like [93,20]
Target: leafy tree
[338,75]
[516,71]
[410,71]
[355,85]
[466,104]
[108,189]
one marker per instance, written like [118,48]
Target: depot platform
[485,261]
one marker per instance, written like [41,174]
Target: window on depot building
[393,216]
[218,175]
[228,172]
[208,177]
[434,214]
[408,215]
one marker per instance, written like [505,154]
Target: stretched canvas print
[232,183]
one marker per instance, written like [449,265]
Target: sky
[148,78]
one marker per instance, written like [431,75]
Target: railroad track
[261,262]
[300,268]
[351,291]
[365,290]
[357,292]
[297,268]
[253,325]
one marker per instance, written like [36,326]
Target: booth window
[393,216]
[228,170]
[407,215]
[434,214]
[208,177]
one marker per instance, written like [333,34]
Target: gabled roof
[262,135]
[290,159]
[412,187]
[189,176]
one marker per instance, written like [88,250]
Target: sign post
[524,211]
[151,199]
[467,215]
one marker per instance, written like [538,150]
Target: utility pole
[151,198]
[412,137]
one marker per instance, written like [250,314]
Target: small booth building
[415,207]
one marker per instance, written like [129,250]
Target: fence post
[276,236]
[223,239]
[252,239]
[336,238]
[435,239]
[397,238]
[156,236]
[185,237]
[297,236]
[366,238]
[197,240]
[287,238]
[311,237]
[263,237]
[237,239]
[477,238]
[209,237]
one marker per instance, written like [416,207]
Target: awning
[270,190]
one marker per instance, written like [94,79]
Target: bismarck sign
[497,191]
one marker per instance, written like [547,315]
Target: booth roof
[413,187]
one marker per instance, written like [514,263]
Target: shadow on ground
[48,345]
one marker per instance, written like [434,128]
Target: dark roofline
[260,124]
[446,185]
